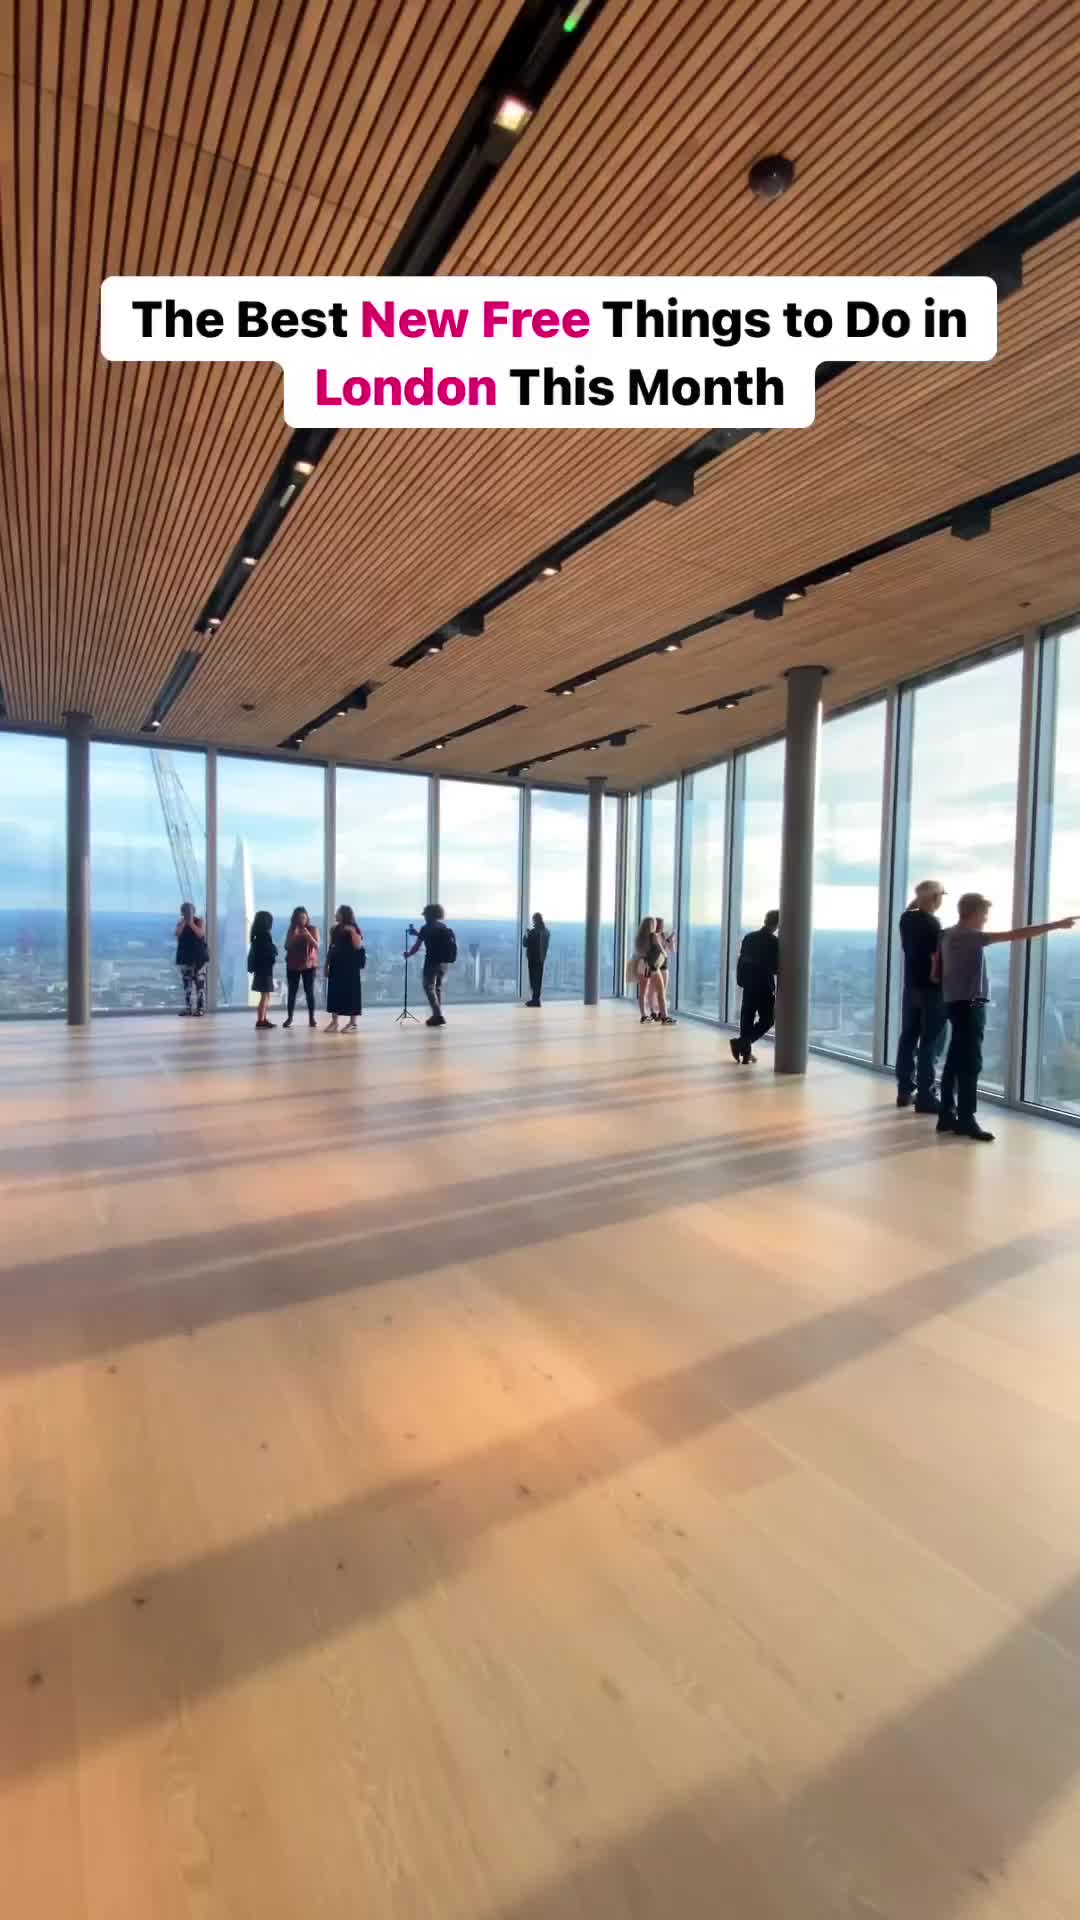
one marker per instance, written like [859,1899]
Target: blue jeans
[922,1037]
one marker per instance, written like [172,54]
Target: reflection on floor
[526,1472]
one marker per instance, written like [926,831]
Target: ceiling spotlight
[154,725]
[726,705]
[512,115]
[593,746]
[524,767]
[295,745]
[671,646]
[550,568]
[434,646]
[341,713]
[248,560]
[303,467]
[970,523]
[772,176]
[440,746]
[214,621]
[795,593]
[565,692]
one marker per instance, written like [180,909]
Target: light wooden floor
[530,1472]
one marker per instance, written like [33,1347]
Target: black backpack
[443,948]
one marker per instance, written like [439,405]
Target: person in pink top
[301,962]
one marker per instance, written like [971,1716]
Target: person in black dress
[536,943]
[261,956]
[345,962]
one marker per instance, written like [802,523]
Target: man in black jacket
[759,964]
[922,1020]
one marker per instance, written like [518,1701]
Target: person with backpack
[759,964]
[440,952]
[192,958]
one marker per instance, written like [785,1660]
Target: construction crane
[175,811]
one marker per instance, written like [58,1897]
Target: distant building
[235,930]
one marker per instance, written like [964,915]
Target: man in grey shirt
[965,984]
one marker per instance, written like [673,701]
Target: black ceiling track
[999,254]
[440,740]
[527,64]
[615,737]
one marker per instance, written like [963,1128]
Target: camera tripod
[405,1015]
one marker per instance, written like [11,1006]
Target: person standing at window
[440,952]
[345,962]
[301,962]
[922,1020]
[261,956]
[759,964]
[192,956]
[536,943]
[965,983]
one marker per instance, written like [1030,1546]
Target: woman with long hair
[301,962]
[192,955]
[650,957]
[536,943]
[345,962]
[261,956]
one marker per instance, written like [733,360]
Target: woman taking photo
[301,962]
[192,955]
[345,962]
[650,960]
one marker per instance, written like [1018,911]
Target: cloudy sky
[966,746]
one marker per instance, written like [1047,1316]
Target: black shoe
[311,1020]
[435,1021]
[667,1020]
[286,1023]
[736,1052]
[903,1099]
[926,1106]
[973,1131]
[946,1123]
[645,1019]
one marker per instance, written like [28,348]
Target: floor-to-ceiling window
[964,774]
[478,886]
[609,871]
[147,854]
[1054,1064]
[847,863]
[658,810]
[632,898]
[763,811]
[701,917]
[381,856]
[557,863]
[271,835]
[33,875]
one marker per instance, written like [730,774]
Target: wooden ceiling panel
[294,136]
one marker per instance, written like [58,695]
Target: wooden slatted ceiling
[886,452]
[178,136]
[222,138]
[921,141]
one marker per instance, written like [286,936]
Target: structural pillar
[797,867]
[594,871]
[78,869]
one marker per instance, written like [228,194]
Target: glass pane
[658,853]
[269,857]
[382,868]
[847,860]
[1058,1064]
[33,875]
[147,854]
[701,933]
[478,887]
[763,811]
[560,834]
[608,877]
[632,910]
[964,772]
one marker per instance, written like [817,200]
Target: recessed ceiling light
[440,746]
[512,115]
[303,467]
[565,692]
[154,725]
[248,560]
[795,593]
[726,704]
[435,646]
[341,713]
[593,746]
[550,569]
[671,646]
[214,621]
